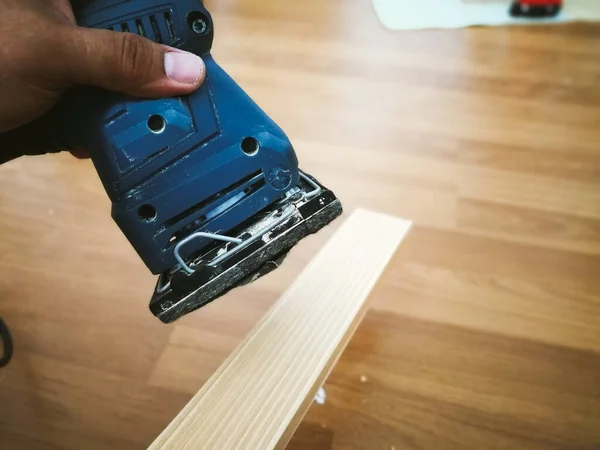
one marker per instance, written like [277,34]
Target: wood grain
[484,331]
[257,398]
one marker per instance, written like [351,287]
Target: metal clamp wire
[190,238]
[307,196]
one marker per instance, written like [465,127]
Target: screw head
[280,178]
[199,26]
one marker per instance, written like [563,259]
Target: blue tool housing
[171,167]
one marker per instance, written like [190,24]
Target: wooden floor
[485,330]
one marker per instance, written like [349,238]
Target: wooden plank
[259,395]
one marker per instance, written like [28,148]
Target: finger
[128,63]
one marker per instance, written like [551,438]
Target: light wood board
[259,395]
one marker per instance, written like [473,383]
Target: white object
[321,396]
[422,14]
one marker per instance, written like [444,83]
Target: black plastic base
[189,292]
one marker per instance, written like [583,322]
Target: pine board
[256,399]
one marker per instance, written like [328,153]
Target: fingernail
[183,67]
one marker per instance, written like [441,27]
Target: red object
[536,8]
[540,2]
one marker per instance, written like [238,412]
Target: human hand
[44,53]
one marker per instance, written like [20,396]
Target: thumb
[131,64]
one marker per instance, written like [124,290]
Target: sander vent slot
[215,205]
[157,26]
